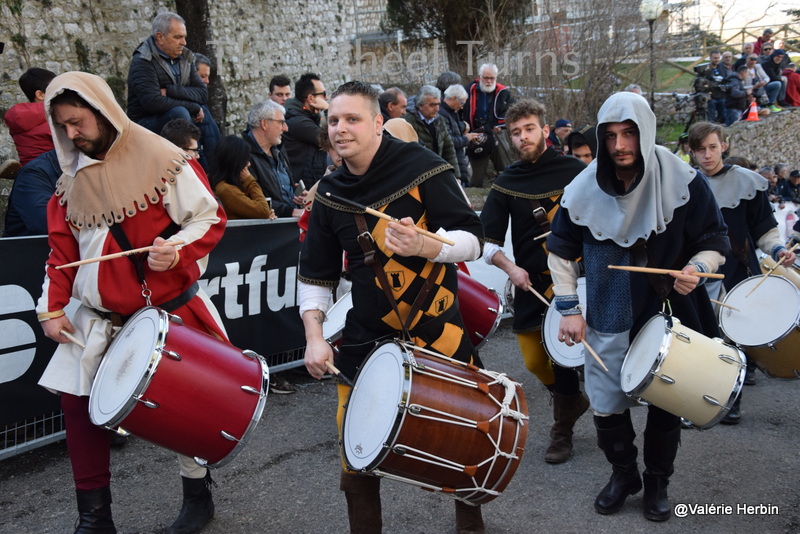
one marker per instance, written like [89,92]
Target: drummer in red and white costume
[117,173]
[745,206]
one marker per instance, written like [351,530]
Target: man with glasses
[301,142]
[431,128]
[485,113]
[268,164]
[758,81]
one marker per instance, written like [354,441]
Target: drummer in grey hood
[635,205]
[122,187]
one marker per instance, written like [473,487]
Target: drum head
[336,316]
[765,316]
[563,355]
[372,409]
[645,353]
[126,366]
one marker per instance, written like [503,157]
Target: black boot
[660,449]
[616,441]
[469,519]
[567,409]
[198,506]
[363,494]
[734,415]
[94,509]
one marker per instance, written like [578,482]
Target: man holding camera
[716,73]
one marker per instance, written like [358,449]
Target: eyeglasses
[282,121]
[488,78]
[197,151]
[766,49]
[752,58]
[323,94]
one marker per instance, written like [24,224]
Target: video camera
[706,84]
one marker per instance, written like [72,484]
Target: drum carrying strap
[661,283]
[367,243]
[540,214]
[138,264]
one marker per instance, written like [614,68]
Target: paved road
[286,479]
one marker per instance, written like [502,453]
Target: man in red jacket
[26,121]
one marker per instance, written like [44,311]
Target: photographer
[716,73]
[739,97]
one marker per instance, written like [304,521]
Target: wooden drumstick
[538,237]
[772,270]
[119,254]
[724,305]
[336,372]
[546,302]
[72,338]
[382,215]
[654,270]
[594,354]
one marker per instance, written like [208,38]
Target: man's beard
[488,89]
[106,134]
[533,153]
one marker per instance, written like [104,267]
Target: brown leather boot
[363,494]
[469,519]
[567,409]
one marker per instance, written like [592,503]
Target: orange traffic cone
[752,114]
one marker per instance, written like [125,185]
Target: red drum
[421,418]
[180,388]
[480,309]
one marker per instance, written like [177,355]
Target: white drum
[333,326]
[683,371]
[765,323]
[563,355]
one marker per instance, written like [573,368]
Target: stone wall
[771,140]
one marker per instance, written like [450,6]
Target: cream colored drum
[790,273]
[765,323]
[683,372]
[570,357]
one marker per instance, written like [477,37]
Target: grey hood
[648,206]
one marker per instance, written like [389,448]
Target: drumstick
[336,372]
[119,254]
[653,270]
[593,353]
[724,305]
[538,237]
[72,338]
[382,215]
[772,270]
[546,302]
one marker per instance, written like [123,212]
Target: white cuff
[467,247]
[311,297]
[489,250]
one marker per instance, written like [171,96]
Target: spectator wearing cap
[790,189]
[763,39]
[582,144]
[558,136]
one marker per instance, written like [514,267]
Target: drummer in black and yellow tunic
[414,185]
[527,193]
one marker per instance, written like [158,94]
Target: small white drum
[333,326]
[508,296]
[790,273]
[683,372]
[423,419]
[765,323]
[570,357]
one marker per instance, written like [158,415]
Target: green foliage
[82,51]
[14,6]
[118,86]
[19,40]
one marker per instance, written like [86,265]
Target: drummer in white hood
[118,174]
[636,204]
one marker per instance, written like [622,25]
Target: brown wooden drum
[421,418]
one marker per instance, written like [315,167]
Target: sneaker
[775,109]
[281,386]
[9,169]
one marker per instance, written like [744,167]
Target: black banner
[251,279]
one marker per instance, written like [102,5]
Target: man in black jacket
[163,83]
[455,97]
[268,164]
[301,142]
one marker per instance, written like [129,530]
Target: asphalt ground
[727,479]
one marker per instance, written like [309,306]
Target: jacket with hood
[667,219]
[501,99]
[28,126]
[33,187]
[301,143]
[149,73]
[143,185]
[772,69]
